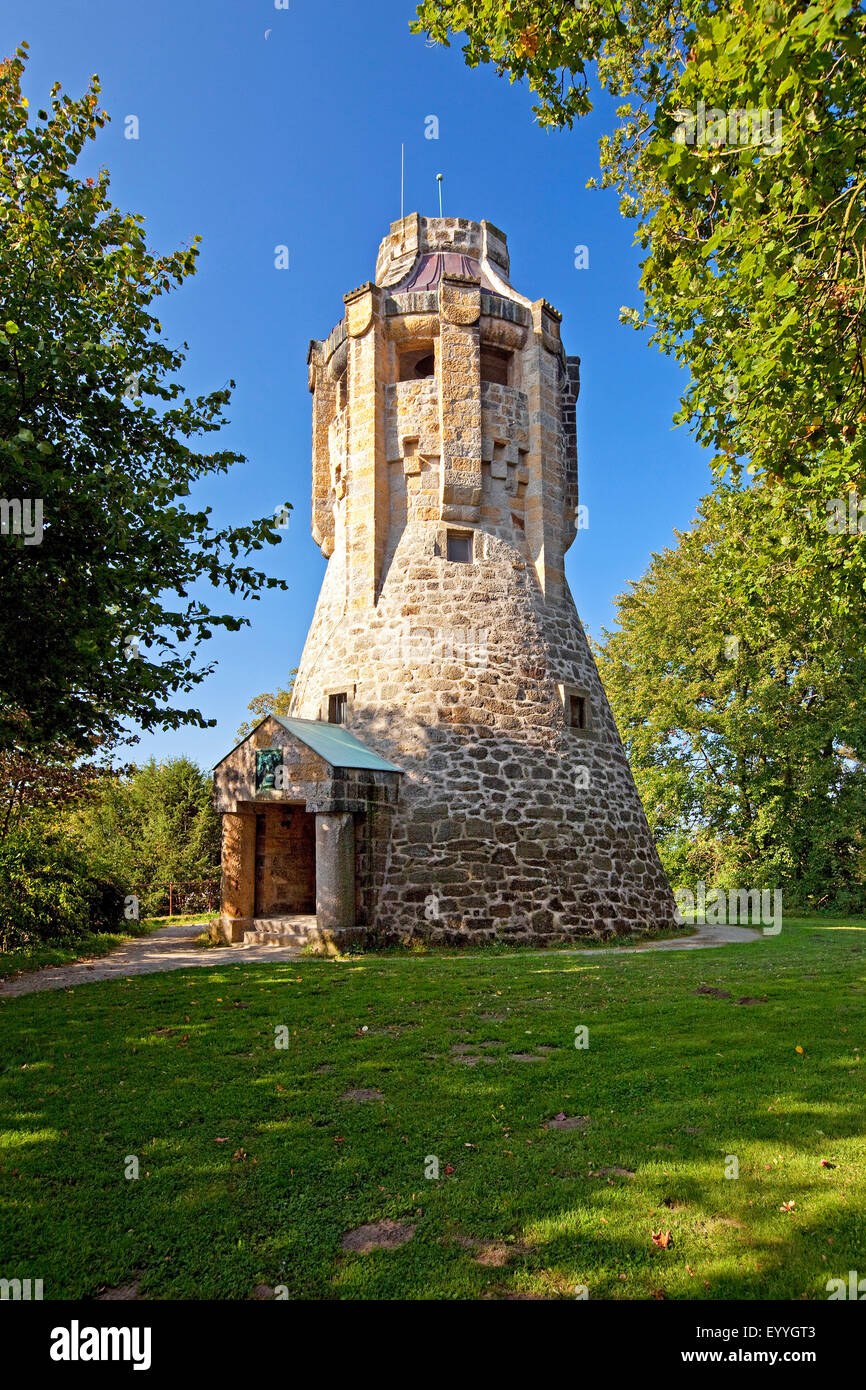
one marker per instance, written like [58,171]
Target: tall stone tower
[445,637]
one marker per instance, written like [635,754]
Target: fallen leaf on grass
[787,1206]
[662,1239]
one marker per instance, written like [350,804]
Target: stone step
[294,929]
[275,938]
[295,922]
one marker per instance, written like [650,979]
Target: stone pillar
[323,387]
[335,873]
[545,495]
[238,883]
[460,399]
[368,505]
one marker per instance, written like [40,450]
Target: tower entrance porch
[285,854]
[306,819]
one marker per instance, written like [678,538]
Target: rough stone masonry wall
[495,831]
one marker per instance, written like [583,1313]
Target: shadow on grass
[252,1166]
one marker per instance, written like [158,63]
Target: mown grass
[253,1166]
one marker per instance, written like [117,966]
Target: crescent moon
[267,31]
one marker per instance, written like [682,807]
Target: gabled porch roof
[333,742]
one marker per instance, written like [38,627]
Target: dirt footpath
[170,948]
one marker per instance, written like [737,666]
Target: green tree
[37,788]
[153,826]
[97,626]
[270,702]
[755,235]
[740,704]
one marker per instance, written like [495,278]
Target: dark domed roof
[429,269]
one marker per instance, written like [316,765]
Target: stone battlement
[415,236]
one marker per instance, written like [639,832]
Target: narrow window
[337,708]
[417,364]
[494,365]
[460,547]
[577,711]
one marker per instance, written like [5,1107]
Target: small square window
[460,547]
[577,711]
[337,708]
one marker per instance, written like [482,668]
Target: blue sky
[294,139]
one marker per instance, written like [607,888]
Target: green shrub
[49,893]
[106,906]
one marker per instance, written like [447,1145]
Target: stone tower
[445,637]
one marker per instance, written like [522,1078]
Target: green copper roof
[335,744]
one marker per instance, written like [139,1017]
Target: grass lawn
[35,957]
[254,1165]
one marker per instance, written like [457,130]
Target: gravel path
[170,948]
[173,948]
[705,936]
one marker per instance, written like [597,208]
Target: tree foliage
[153,826]
[755,268]
[97,625]
[41,786]
[741,708]
[270,702]
[739,148]
[49,891]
